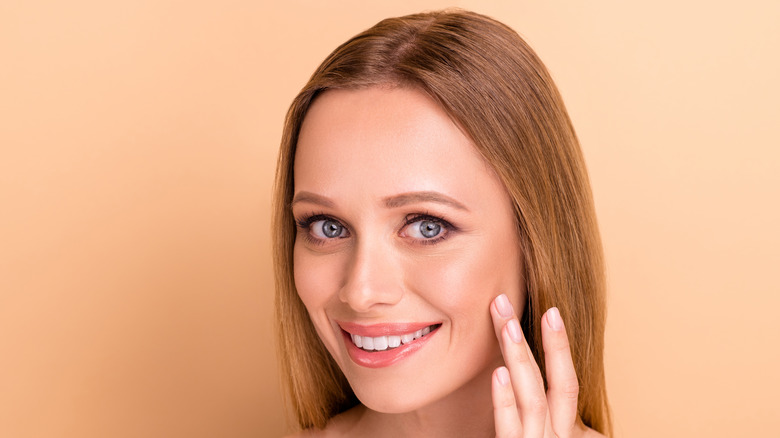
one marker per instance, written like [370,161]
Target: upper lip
[383,329]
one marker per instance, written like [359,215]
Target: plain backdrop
[137,148]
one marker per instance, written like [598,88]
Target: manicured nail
[503,376]
[504,306]
[514,331]
[554,319]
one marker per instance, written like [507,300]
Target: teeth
[381,343]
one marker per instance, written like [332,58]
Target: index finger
[525,378]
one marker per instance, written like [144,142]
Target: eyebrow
[413,197]
[394,201]
[312,198]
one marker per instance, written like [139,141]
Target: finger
[501,311]
[524,373]
[505,416]
[563,387]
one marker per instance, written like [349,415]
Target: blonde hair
[497,90]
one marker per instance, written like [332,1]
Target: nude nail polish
[504,306]
[514,331]
[554,319]
[503,376]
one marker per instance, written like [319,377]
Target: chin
[403,391]
[394,391]
[397,400]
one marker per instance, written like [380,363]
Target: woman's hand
[520,406]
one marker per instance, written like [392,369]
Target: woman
[434,228]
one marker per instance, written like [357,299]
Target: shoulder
[590,433]
[327,432]
[308,433]
[339,426]
[313,433]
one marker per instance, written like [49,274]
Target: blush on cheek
[453,285]
[314,282]
[316,278]
[463,285]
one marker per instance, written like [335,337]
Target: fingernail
[554,319]
[504,306]
[503,376]
[514,331]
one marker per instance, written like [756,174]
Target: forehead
[385,141]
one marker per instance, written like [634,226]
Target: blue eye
[429,229]
[319,229]
[424,228]
[327,229]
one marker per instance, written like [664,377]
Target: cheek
[316,280]
[463,283]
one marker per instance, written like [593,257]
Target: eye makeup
[305,223]
[445,226]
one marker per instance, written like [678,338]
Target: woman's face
[402,229]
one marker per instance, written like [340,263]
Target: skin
[362,255]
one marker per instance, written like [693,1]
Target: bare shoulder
[308,433]
[311,433]
[339,426]
[590,433]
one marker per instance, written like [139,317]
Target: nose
[373,278]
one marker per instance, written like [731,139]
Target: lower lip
[385,358]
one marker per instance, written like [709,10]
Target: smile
[381,345]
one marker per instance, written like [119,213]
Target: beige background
[137,146]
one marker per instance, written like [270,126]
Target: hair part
[496,89]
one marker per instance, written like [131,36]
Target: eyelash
[416,217]
[304,224]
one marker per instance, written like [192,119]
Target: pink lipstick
[382,345]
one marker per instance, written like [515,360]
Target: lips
[381,345]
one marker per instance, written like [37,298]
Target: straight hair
[496,89]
